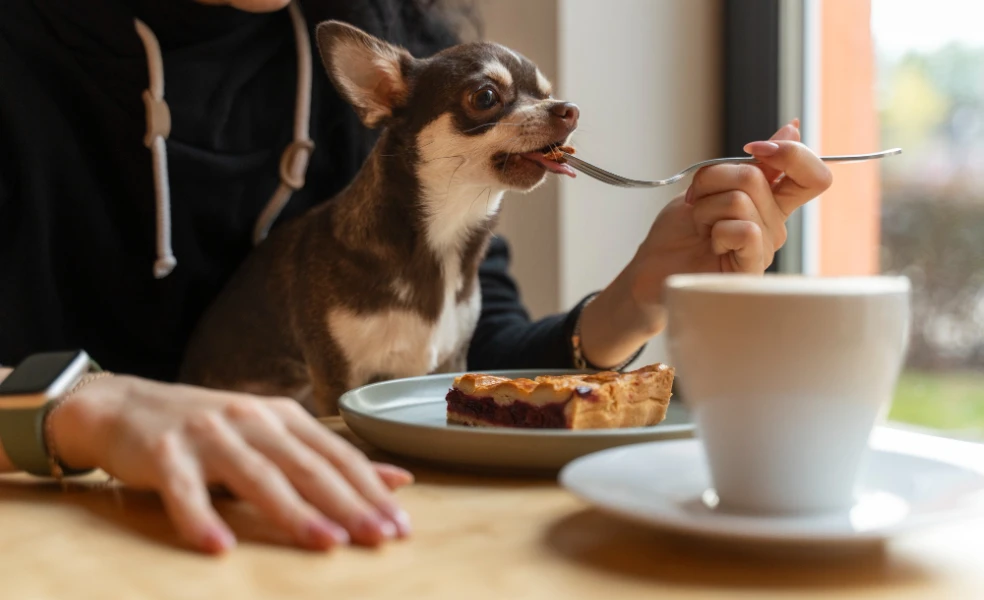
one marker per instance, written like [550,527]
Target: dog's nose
[566,111]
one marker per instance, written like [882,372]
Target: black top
[77,204]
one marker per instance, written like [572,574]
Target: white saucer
[666,485]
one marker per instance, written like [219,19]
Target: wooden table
[474,537]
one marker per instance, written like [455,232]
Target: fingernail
[761,148]
[374,528]
[689,198]
[404,473]
[387,528]
[338,532]
[218,540]
[795,123]
[322,534]
[401,519]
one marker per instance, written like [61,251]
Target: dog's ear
[368,72]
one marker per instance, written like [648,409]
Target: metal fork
[617,180]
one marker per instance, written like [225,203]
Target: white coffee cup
[786,376]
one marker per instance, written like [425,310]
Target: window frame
[771,75]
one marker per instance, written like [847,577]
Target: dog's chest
[457,319]
[398,342]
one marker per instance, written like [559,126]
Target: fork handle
[861,157]
[828,158]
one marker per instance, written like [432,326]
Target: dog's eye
[485,99]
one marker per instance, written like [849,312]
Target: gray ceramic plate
[407,417]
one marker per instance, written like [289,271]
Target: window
[909,73]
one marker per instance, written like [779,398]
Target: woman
[86,207]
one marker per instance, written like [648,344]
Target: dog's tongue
[550,165]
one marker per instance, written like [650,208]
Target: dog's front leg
[326,390]
[456,363]
[329,374]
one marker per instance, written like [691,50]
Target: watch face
[37,373]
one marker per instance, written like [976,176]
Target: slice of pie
[597,401]
[556,153]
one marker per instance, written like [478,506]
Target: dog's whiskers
[407,151]
[477,127]
[447,194]
[467,153]
[461,156]
[478,195]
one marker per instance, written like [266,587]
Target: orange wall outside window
[850,209]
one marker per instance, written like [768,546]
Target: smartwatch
[26,396]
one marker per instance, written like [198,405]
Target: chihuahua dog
[380,281]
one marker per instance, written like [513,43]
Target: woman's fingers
[790,132]
[264,424]
[740,192]
[352,464]
[801,177]
[321,485]
[271,454]
[740,244]
[723,206]
[805,176]
[394,477]
[186,499]
[319,482]
[229,460]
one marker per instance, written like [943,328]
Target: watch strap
[22,432]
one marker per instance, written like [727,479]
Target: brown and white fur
[381,281]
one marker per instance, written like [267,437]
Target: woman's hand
[177,440]
[731,219]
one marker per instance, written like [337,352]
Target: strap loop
[294,163]
[158,116]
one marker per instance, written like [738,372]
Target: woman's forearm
[614,326]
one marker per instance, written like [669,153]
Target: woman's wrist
[81,423]
[616,324]
[68,427]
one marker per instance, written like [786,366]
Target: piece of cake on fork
[603,400]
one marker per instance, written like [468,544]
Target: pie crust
[556,154]
[602,400]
